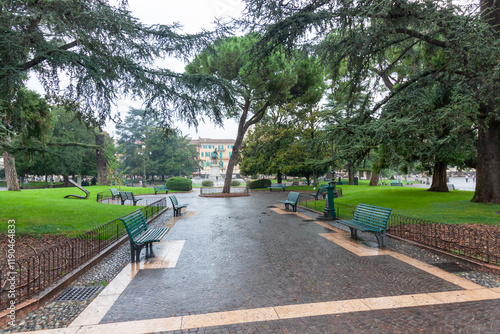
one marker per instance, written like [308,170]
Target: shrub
[207,183]
[235,183]
[179,183]
[259,184]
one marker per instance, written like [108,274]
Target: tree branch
[37,60]
[422,37]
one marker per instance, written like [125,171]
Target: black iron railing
[21,279]
[465,240]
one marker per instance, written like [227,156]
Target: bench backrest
[293,196]
[114,191]
[127,195]
[160,187]
[277,185]
[372,215]
[174,201]
[135,224]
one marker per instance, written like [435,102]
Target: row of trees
[145,148]
[411,80]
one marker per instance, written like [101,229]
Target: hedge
[264,183]
[207,183]
[179,183]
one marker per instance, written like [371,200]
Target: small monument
[215,175]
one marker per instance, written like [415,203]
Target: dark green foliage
[207,183]
[164,152]
[235,183]
[107,53]
[179,183]
[264,183]
[433,67]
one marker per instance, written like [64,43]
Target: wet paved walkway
[221,269]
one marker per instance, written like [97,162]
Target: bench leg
[380,239]
[354,232]
[294,208]
[151,254]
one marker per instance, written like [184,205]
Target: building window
[230,147]
[230,154]
[220,155]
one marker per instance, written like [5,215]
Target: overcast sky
[193,15]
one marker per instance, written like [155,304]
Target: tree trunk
[488,163]
[350,172]
[374,179]
[279,177]
[314,178]
[234,156]
[439,178]
[10,171]
[488,141]
[66,181]
[101,160]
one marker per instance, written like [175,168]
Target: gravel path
[58,314]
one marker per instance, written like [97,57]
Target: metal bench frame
[369,218]
[176,206]
[292,199]
[114,193]
[277,186]
[140,235]
[128,195]
[161,188]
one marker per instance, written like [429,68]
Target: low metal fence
[21,279]
[466,240]
[234,190]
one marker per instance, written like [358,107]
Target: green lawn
[452,207]
[42,211]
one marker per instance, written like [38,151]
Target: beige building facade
[206,147]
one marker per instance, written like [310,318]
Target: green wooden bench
[369,218]
[161,187]
[114,193]
[320,192]
[399,184]
[295,183]
[176,206]
[276,186]
[291,200]
[409,183]
[128,184]
[128,195]
[141,235]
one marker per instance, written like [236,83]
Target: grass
[46,211]
[453,207]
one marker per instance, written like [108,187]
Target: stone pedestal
[215,174]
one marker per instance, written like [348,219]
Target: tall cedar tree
[104,53]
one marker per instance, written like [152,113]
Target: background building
[205,148]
